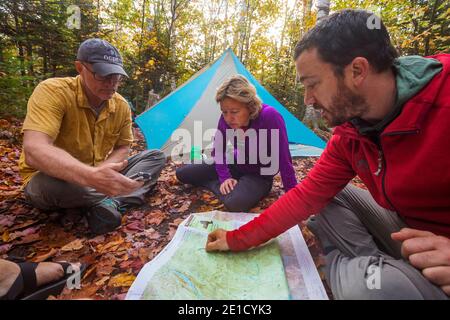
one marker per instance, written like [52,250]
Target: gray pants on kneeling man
[362,261]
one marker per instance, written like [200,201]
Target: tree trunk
[248,31]
[323,9]
[19,42]
[312,115]
[430,24]
[242,27]
[225,32]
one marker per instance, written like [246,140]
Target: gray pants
[49,193]
[362,261]
[249,190]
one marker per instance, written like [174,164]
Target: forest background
[165,42]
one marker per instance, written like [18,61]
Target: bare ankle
[9,273]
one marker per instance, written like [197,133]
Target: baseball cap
[103,56]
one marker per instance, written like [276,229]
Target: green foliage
[14,88]
[164,42]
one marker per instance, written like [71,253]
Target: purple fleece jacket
[268,119]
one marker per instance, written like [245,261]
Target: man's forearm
[117,155]
[58,163]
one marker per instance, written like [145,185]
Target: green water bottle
[196,153]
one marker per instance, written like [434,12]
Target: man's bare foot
[46,272]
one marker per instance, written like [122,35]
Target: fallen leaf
[156,217]
[156,202]
[29,239]
[171,232]
[23,225]
[152,234]
[89,272]
[24,233]
[110,246]
[104,267]
[5,236]
[45,256]
[137,265]
[125,264]
[102,281]
[4,248]
[73,246]
[7,221]
[144,254]
[4,123]
[97,240]
[177,221]
[137,215]
[185,206]
[122,280]
[135,226]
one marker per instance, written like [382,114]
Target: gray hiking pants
[249,190]
[49,193]
[363,261]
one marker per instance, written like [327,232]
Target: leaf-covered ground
[114,259]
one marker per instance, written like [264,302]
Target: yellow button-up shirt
[59,108]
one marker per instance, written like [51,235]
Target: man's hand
[217,241]
[427,252]
[227,186]
[107,179]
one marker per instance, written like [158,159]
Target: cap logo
[111,59]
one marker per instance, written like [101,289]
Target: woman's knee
[184,174]
[238,203]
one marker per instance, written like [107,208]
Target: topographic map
[184,270]
[193,273]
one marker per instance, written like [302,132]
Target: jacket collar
[414,111]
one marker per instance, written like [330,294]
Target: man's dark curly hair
[345,35]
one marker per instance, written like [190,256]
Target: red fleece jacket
[414,179]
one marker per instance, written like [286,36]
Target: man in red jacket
[391,118]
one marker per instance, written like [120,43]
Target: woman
[242,180]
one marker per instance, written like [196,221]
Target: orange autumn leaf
[110,246]
[122,280]
[5,236]
[73,246]
[45,256]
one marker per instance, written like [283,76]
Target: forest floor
[115,258]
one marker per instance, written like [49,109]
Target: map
[185,271]
[193,273]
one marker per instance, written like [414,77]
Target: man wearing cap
[77,136]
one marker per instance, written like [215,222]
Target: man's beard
[345,106]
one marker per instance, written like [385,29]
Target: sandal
[25,286]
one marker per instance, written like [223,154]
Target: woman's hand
[227,186]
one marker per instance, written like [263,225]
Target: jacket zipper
[382,162]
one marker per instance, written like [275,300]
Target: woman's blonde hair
[239,88]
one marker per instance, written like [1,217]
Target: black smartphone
[141,176]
